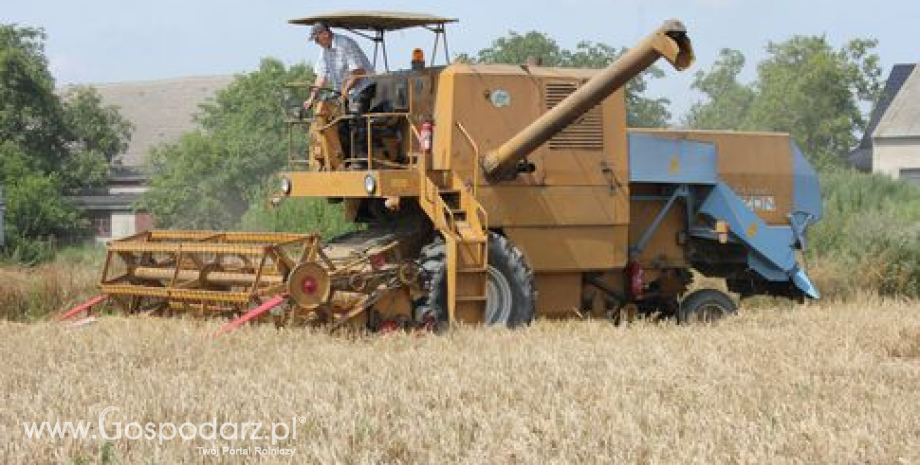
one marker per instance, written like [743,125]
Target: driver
[343,66]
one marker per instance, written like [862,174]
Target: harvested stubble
[831,383]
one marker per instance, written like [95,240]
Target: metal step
[472,270]
[458,214]
[451,198]
[468,235]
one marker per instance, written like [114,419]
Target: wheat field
[822,383]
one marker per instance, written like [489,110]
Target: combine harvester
[493,194]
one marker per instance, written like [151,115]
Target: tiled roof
[899,74]
[160,110]
[861,157]
[902,119]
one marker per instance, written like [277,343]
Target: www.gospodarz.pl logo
[167,431]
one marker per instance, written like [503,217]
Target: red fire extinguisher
[425,136]
[636,279]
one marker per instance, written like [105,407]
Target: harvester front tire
[706,306]
[508,272]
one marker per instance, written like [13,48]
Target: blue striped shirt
[338,61]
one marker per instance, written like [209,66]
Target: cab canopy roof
[374,25]
[374,20]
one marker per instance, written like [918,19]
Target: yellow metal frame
[202,270]
[204,273]
[390,183]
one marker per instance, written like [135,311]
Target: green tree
[728,100]
[804,87]
[97,133]
[211,177]
[516,48]
[95,127]
[31,115]
[296,214]
[35,208]
[36,212]
[49,147]
[809,89]
[643,112]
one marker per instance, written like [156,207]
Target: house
[896,140]
[891,143]
[160,111]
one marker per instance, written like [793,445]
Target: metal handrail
[370,136]
[370,128]
[476,165]
[406,115]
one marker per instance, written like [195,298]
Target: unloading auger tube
[669,41]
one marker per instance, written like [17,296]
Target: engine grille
[585,133]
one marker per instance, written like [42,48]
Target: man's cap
[316,29]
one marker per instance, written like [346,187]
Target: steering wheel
[324,94]
[327,93]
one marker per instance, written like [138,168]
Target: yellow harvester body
[496,193]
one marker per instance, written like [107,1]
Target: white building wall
[122,225]
[891,155]
[128,189]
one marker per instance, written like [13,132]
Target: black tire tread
[433,258]
[696,299]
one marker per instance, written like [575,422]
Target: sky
[100,41]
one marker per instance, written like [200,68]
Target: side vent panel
[585,133]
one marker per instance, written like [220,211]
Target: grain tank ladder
[462,221]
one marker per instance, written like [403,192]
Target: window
[910,175]
[102,224]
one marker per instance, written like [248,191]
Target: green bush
[302,215]
[889,259]
[871,232]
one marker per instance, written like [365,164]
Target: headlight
[370,183]
[285,185]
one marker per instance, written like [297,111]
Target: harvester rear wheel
[706,306]
[511,293]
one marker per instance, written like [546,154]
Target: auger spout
[670,41]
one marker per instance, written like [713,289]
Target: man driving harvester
[342,66]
